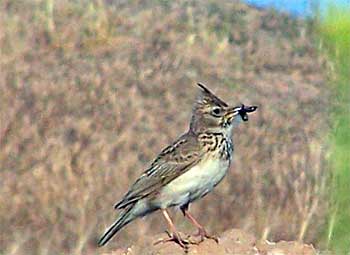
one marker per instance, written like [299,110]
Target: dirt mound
[233,241]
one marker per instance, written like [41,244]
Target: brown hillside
[91,92]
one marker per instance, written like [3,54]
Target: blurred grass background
[91,91]
[334,32]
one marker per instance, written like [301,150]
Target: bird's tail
[123,219]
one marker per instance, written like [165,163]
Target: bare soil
[233,241]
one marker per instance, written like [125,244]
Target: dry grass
[90,91]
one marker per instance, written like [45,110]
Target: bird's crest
[207,99]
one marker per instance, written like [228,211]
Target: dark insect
[245,110]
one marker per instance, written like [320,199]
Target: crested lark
[186,170]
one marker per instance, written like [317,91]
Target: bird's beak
[231,113]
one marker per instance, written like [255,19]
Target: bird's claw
[184,242]
[175,237]
[202,233]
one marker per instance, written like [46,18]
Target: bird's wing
[173,161]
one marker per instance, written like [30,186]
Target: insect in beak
[245,110]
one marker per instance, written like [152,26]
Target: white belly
[194,183]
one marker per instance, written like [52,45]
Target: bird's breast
[196,182]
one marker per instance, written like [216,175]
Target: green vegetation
[335,33]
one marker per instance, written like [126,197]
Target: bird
[186,170]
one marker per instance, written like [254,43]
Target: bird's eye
[216,111]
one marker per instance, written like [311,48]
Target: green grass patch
[335,34]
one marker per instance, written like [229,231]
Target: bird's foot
[175,237]
[202,234]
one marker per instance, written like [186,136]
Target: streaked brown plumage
[187,169]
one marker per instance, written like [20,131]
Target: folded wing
[173,161]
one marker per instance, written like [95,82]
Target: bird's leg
[201,230]
[174,235]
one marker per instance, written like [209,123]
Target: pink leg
[174,236]
[201,231]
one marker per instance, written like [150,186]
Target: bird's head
[212,114]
